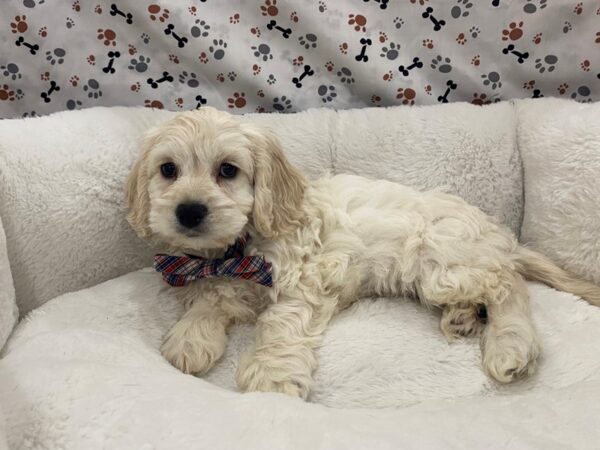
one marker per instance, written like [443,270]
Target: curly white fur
[331,241]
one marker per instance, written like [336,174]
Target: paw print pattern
[514,32]
[327,93]
[158,13]
[282,104]
[474,32]
[390,52]
[218,49]
[492,79]
[190,79]
[532,6]
[56,56]
[238,100]
[406,96]
[92,87]
[441,64]
[139,64]
[19,25]
[200,29]
[345,75]
[6,93]
[107,36]
[548,63]
[308,41]
[262,51]
[398,22]
[358,22]
[269,8]
[322,7]
[461,9]
[11,70]
[582,94]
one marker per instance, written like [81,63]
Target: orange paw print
[76,6]
[234,19]
[108,36]
[269,8]
[203,58]
[43,32]
[74,80]
[383,37]
[461,39]
[388,76]
[428,89]
[562,89]
[359,21]
[476,61]
[329,66]
[513,32]
[294,17]
[158,13]
[344,48]
[237,101]
[179,102]
[585,65]
[407,96]
[135,87]
[91,60]
[298,61]
[578,8]
[153,104]
[220,78]
[6,93]
[480,99]
[19,25]
[98,9]
[375,99]
[256,69]
[428,43]
[537,38]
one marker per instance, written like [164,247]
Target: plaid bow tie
[181,270]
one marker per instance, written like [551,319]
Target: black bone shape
[285,32]
[521,57]
[382,3]
[365,42]
[33,48]
[112,55]
[495,2]
[165,77]
[308,72]
[46,95]
[437,24]
[181,41]
[201,101]
[416,63]
[537,93]
[114,11]
[451,85]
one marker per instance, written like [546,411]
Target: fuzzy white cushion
[8,306]
[84,371]
[560,146]
[62,177]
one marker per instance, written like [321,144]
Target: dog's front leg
[198,339]
[287,334]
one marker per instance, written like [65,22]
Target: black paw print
[492,79]
[461,9]
[139,64]
[92,88]
[282,104]
[218,48]
[190,79]
[271,79]
[441,64]
[200,29]
[232,76]
[307,41]
[548,63]
[345,75]
[262,51]
[73,104]
[11,70]
[530,7]
[56,56]
[390,52]
[327,93]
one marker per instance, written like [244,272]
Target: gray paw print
[548,63]
[282,104]
[218,48]
[262,51]
[492,79]
[531,7]
[73,104]
[56,56]
[582,94]
[461,9]
[308,41]
[11,70]
[93,89]
[327,93]
[441,64]
[271,79]
[567,27]
[31,3]
[145,38]
[322,7]
[398,22]
[200,29]
[390,52]
[70,23]
[474,32]
[189,78]
[345,75]
[139,64]
[232,76]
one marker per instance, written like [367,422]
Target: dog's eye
[227,170]
[168,170]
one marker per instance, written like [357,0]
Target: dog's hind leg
[462,320]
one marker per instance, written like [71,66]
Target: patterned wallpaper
[285,56]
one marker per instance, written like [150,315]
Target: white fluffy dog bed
[84,370]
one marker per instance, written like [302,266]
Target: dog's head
[203,177]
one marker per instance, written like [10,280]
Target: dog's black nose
[190,215]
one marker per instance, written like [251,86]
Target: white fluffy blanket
[84,371]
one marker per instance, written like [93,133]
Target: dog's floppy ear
[138,201]
[278,186]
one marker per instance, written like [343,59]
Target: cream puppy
[204,179]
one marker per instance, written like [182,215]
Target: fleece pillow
[560,147]
[8,307]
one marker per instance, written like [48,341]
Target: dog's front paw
[461,321]
[194,347]
[510,356]
[258,374]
